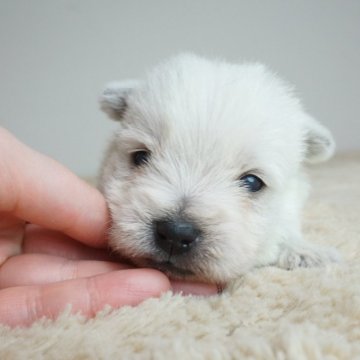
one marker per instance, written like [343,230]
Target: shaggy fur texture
[268,313]
[205,126]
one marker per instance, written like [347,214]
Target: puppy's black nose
[175,236]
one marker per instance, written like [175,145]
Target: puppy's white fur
[206,123]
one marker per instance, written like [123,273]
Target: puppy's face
[203,176]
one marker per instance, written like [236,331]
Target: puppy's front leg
[305,254]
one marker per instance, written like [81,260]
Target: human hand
[52,240]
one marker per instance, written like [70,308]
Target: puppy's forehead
[194,103]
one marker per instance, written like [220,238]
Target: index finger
[39,190]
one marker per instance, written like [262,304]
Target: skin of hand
[53,253]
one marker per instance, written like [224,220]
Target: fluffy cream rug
[267,314]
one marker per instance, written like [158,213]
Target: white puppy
[204,177]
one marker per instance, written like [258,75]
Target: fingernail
[192,288]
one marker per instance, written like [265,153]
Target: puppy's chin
[171,269]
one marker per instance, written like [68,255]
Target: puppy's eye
[252,182]
[140,157]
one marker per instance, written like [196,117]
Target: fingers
[11,236]
[41,191]
[29,293]
[29,269]
[43,241]
[20,306]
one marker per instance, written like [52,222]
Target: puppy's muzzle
[175,236]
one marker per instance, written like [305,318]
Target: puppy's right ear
[113,100]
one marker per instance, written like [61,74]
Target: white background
[55,57]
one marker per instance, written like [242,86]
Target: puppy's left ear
[319,143]
[113,100]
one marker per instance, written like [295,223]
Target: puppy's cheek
[126,231]
[129,236]
[133,208]
[232,248]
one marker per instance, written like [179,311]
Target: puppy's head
[203,177]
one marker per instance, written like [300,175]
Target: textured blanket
[267,314]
